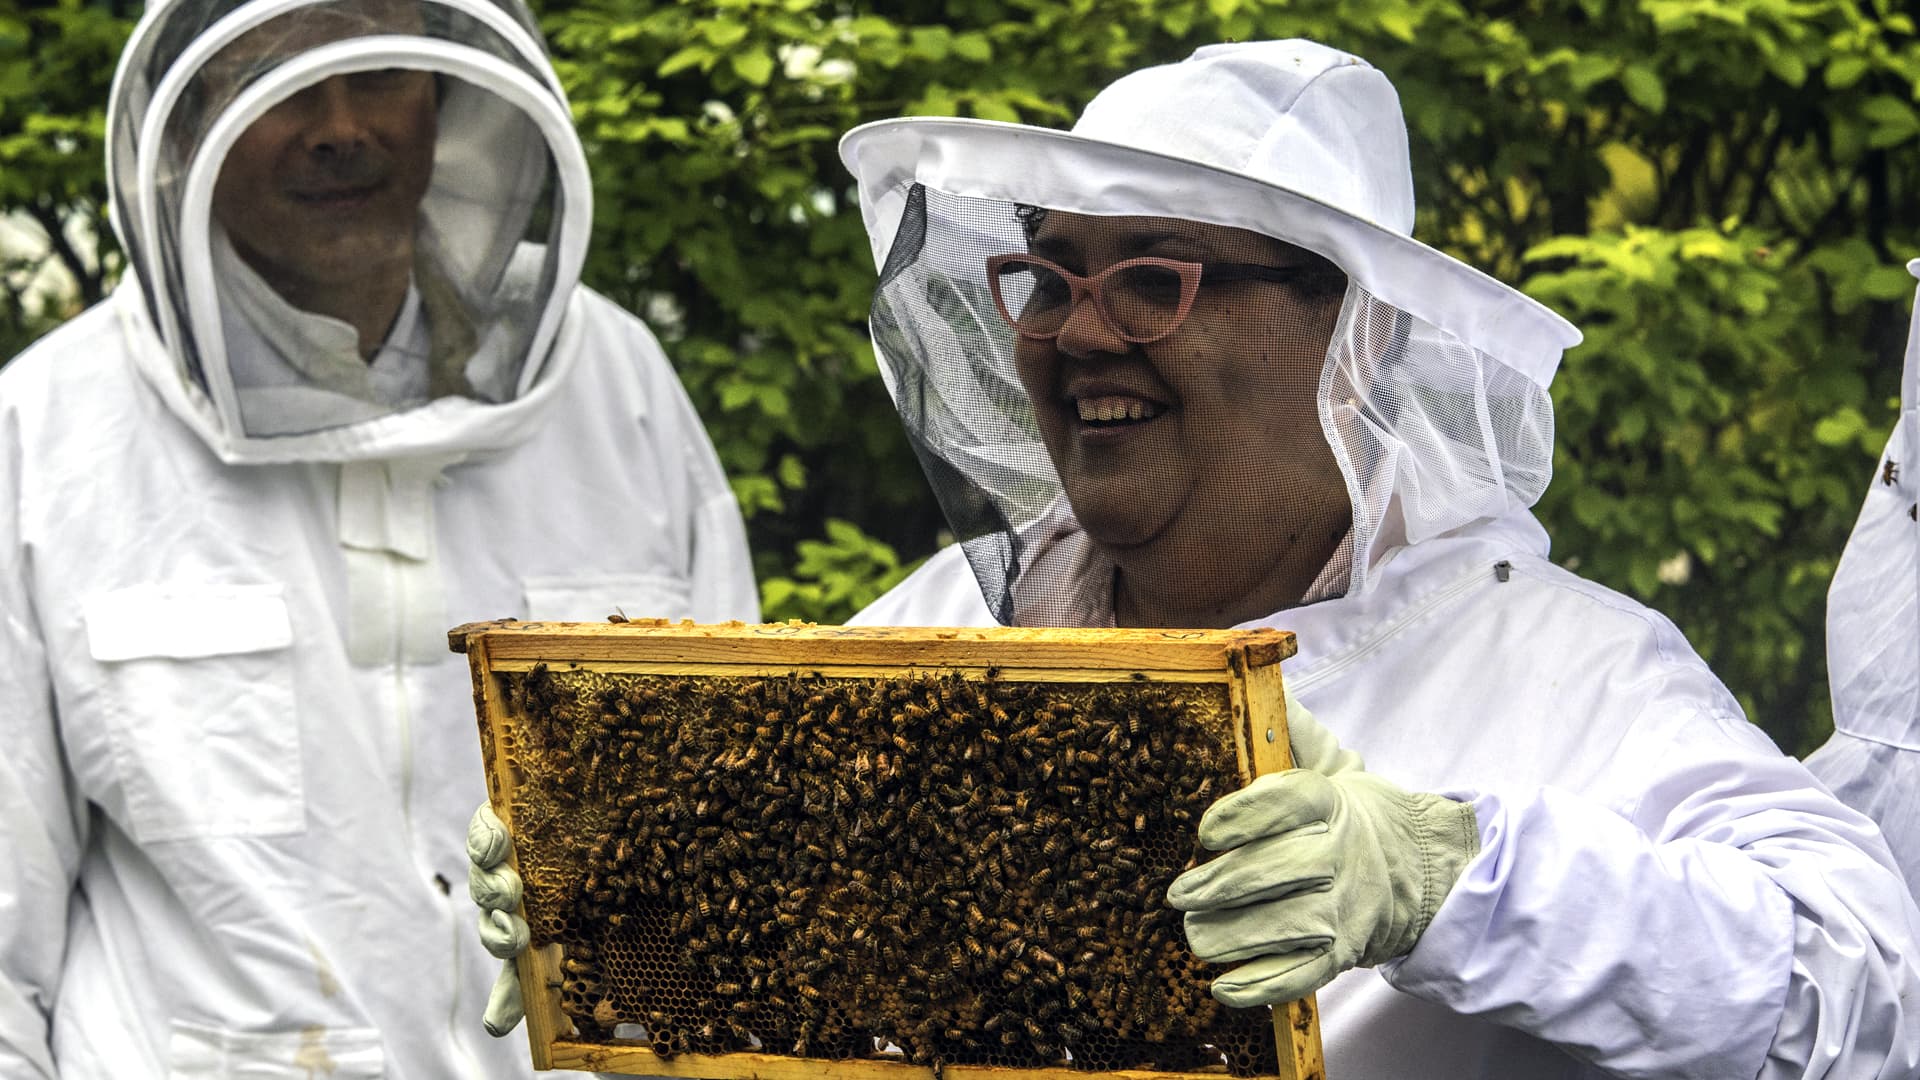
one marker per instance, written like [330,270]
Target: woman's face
[1197,461]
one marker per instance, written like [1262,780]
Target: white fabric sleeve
[723,585]
[41,819]
[1738,923]
[720,566]
[1881,781]
[1872,762]
[718,563]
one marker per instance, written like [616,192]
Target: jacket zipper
[1390,631]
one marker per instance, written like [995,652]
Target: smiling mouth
[1115,410]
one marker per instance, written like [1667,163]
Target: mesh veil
[462,163]
[1270,449]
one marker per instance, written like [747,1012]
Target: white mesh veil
[461,169]
[1332,391]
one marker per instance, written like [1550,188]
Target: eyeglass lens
[1142,301]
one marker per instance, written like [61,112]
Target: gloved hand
[1324,867]
[496,888]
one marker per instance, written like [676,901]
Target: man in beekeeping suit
[1248,397]
[1185,367]
[349,394]
[1873,640]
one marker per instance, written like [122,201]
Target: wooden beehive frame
[1248,662]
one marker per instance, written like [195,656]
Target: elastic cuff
[1449,837]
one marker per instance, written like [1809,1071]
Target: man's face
[324,189]
[1210,453]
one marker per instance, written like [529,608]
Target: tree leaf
[754,66]
[1644,87]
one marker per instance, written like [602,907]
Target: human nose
[1087,330]
[336,122]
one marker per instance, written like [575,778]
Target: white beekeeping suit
[1242,395]
[349,395]
[1873,641]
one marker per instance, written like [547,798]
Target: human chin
[353,248]
[1120,510]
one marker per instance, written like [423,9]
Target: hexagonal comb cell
[931,865]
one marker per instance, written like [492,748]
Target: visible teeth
[1107,409]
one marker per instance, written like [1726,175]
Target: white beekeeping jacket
[1873,641]
[1659,893]
[240,757]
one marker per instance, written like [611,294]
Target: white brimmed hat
[1290,139]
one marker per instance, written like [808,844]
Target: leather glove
[495,886]
[1323,868]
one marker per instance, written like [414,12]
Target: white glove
[496,888]
[1325,867]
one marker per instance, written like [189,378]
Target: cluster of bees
[963,871]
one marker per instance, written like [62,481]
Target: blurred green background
[1720,193]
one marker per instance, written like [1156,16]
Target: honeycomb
[945,869]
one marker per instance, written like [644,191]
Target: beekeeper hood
[1191,345]
[354,224]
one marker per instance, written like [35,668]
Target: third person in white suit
[1873,640]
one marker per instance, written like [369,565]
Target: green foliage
[1720,192]
[832,578]
[55,62]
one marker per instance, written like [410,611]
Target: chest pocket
[592,599]
[196,687]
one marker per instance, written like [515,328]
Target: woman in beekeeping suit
[349,394]
[1873,640]
[1239,394]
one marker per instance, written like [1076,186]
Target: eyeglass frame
[1083,286]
